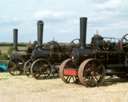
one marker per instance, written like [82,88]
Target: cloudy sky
[61,18]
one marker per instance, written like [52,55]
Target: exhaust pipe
[40,25]
[15,39]
[83,30]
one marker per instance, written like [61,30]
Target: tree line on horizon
[11,44]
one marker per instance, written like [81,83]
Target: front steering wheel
[75,42]
[124,42]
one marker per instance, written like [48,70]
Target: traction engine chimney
[83,30]
[15,39]
[40,25]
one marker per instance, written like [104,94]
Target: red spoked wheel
[91,72]
[67,72]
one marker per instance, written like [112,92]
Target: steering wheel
[55,44]
[124,41]
[75,42]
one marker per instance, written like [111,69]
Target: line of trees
[11,44]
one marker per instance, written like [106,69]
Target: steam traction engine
[46,58]
[89,63]
[18,57]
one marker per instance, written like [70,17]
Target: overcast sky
[61,18]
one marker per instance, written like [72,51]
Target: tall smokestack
[83,30]
[40,25]
[15,39]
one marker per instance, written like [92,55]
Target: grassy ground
[4,49]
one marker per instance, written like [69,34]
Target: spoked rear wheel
[27,67]
[91,73]
[15,68]
[40,67]
[68,78]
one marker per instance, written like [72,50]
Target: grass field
[4,49]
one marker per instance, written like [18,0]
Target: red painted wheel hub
[71,72]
